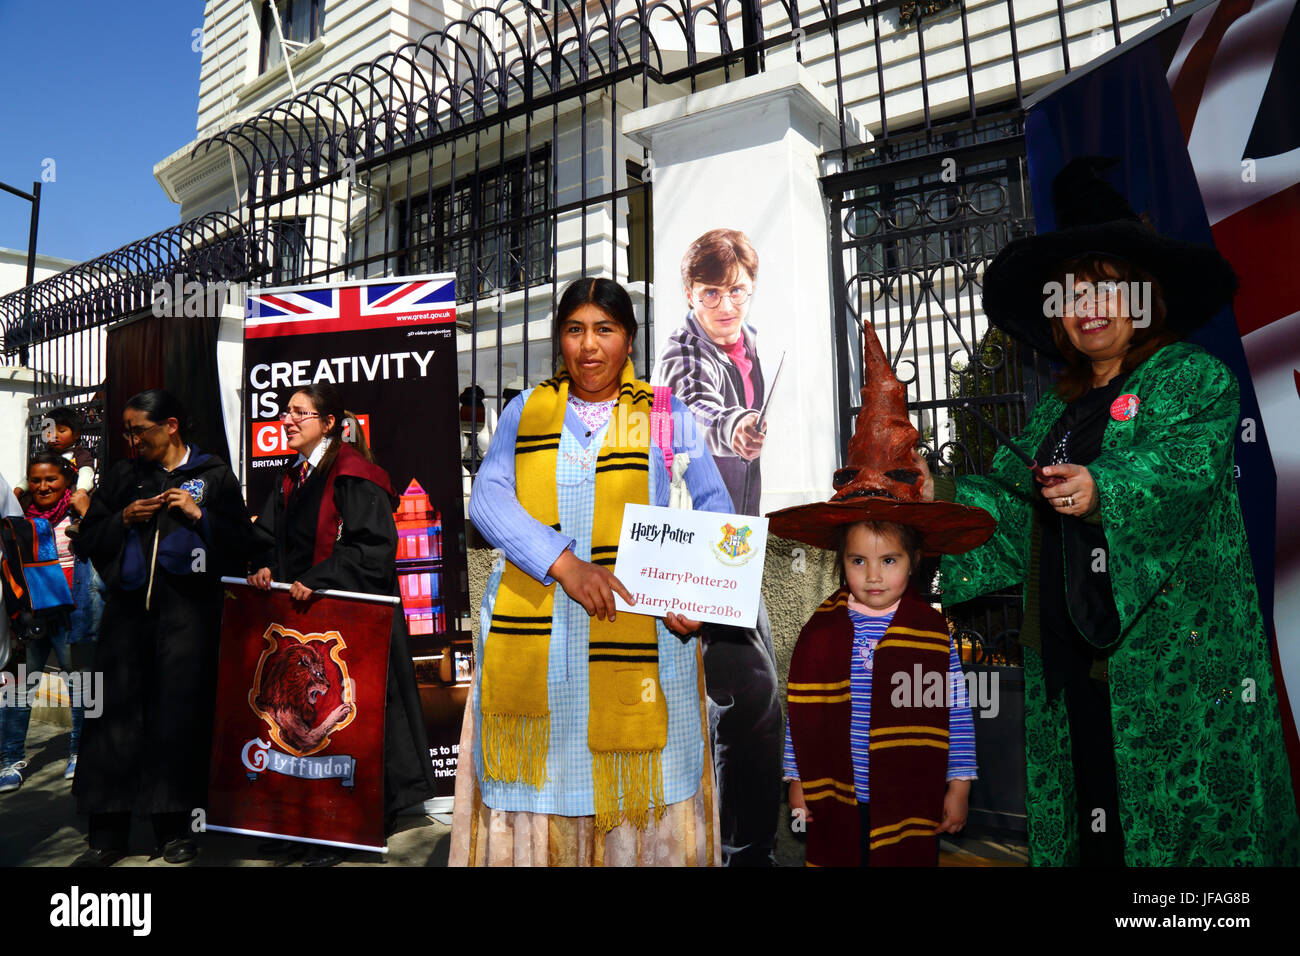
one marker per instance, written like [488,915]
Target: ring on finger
[1069,501]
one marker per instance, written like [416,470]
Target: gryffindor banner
[298,744]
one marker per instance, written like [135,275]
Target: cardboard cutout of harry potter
[711,363]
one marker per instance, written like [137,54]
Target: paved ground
[39,827]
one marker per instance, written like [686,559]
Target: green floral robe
[1199,758]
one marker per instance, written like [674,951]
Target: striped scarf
[908,749]
[627,726]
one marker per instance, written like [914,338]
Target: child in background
[877,560]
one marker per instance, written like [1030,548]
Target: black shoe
[179,850]
[98,858]
[322,856]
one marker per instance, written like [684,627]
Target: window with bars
[939,217]
[492,228]
[302,22]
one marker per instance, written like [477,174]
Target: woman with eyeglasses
[330,525]
[161,529]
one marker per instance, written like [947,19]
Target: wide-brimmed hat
[880,481]
[1093,217]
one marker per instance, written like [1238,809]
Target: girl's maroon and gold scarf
[909,735]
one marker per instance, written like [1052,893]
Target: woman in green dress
[1152,729]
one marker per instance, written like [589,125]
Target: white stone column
[745,156]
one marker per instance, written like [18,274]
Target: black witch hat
[1093,217]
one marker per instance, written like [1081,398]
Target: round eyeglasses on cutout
[710,298]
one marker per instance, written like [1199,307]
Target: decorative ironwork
[215,246]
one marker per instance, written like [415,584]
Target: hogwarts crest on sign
[734,549]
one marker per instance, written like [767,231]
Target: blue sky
[105,89]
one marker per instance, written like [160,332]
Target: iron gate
[913,225]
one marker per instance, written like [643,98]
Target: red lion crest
[298,678]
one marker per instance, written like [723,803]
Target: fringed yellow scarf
[627,726]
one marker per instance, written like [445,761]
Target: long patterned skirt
[480,836]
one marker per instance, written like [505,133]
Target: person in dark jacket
[330,525]
[161,530]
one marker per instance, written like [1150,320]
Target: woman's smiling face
[47,484]
[1096,315]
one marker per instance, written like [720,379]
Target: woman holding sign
[330,525]
[586,727]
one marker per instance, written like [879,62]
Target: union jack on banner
[357,306]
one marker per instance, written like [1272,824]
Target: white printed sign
[704,565]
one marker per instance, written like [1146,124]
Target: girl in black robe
[333,528]
[161,530]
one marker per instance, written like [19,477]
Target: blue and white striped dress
[533,547]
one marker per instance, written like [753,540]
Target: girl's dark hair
[327,401]
[159,405]
[909,536]
[605,294]
[57,460]
[1076,379]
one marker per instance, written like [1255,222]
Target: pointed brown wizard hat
[880,482]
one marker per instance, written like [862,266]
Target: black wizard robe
[363,558]
[148,750]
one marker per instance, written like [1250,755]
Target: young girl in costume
[877,560]
[874,672]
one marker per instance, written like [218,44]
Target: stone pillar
[745,156]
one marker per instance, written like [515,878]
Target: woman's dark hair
[1076,379]
[159,405]
[327,401]
[55,459]
[605,294]
[356,436]
[909,536]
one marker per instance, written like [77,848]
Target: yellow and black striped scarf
[627,724]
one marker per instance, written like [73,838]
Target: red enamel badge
[1124,408]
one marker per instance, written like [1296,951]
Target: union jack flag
[1232,74]
[356,306]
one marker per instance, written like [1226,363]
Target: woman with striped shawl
[585,738]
